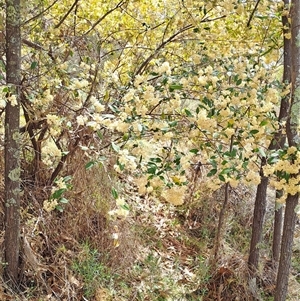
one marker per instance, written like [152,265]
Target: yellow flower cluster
[50,153]
[164,68]
[252,177]
[120,211]
[174,195]
[290,184]
[50,205]
[126,159]
[54,123]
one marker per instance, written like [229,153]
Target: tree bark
[286,248]
[257,223]
[276,143]
[283,114]
[278,221]
[12,140]
[292,131]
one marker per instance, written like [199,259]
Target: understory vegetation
[158,252]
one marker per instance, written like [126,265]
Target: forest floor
[158,252]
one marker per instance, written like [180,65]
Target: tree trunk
[278,221]
[286,248]
[220,227]
[292,132]
[12,140]
[283,114]
[257,223]
[276,143]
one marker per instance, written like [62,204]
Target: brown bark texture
[12,140]
[283,114]
[286,248]
[278,222]
[257,223]
[261,193]
[293,140]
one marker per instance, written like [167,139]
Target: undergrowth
[88,265]
[158,252]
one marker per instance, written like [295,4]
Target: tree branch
[162,45]
[66,15]
[41,13]
[252,14]
[104,16]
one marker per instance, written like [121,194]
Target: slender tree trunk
[257,223]
[284,109]
[220,226]
[221,219]
[293,136]
[286,248]
[261,193]
[12,140]
[278,222]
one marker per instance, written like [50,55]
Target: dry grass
[164,252]
[51,242]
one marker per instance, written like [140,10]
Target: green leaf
[59,208]
[121,166]
[58,193]
[152,170]
[102,158]
[239,81]
[264,122]
[273,160]
[165,81]
[194,151]
[33,65]
[212,172]
[67,178]
[173,87]
[261,17]
[89,165]
[214,163]
[157,160]
[114,193]
[173,124]
[188,113]
[253,132]
[100,135]
[297,209]
[231,154]
[226,171]
[114,108]
[262,152]
[221,177]
[208,102]
[64,201]
[125,206]
[115,147]
[245,164]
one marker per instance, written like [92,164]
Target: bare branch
[66,15]
[252,14]
[38,47]
[162,45]
[40,14]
